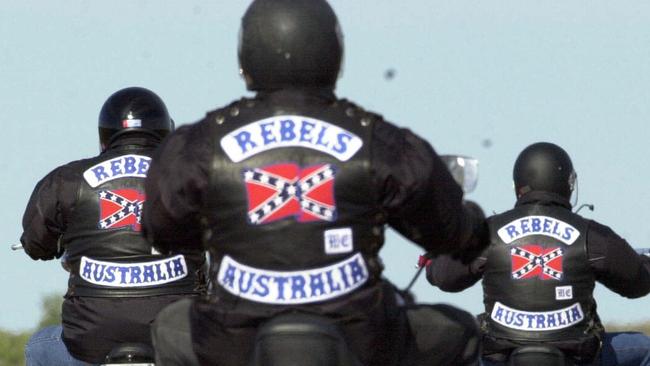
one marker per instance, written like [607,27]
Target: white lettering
[536,321]
[290,131]
[338,241]
[120,167]
[538,225]
[142,274]
[563,292]
[294,287]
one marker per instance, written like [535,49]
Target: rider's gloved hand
[472,209]
[477,237]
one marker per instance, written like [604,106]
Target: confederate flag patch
[286,190]
[534,261]
[120,208]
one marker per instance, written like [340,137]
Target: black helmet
[544,167]
[290,43]
[133,110]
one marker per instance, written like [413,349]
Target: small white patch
[338,241]
[563,292]
[538,225]
[131,123]
[290,131]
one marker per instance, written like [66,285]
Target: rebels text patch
[290,131]
[538,225]
[120,167]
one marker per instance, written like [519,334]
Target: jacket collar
[544,199]
[136,140]
[317,95]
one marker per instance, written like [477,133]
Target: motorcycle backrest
[297,339]
[535,355]
[133,354]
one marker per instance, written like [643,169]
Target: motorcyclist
[540,269]
[290,192]
[90,210]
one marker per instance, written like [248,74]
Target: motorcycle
[301,339]
[312,340]
[464,170]
[541,354]
[296,338]
[133,354]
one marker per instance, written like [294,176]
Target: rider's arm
[451,274]
[616,264]
[422,200]
[174,186]
[44,217]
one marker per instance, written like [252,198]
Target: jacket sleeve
[422,200]
[174,186]
[43,220]
[452,274]
[616,264]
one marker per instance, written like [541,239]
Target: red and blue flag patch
[286,190]
[535,261]
[120,208]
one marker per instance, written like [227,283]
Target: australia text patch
[536,321]
[295,287]
[133,274]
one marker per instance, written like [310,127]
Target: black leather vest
[104,250]
[537,282]
[291,201]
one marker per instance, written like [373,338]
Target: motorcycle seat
[301,339]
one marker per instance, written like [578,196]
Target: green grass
[12,346]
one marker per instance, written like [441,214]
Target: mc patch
[534,261]
[563,292]
[286,190]
[120,208]
[338,241]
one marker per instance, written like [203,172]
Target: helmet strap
[523,190]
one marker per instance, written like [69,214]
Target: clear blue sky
[482,78]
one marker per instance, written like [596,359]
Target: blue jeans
[623,349]
[46,348]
